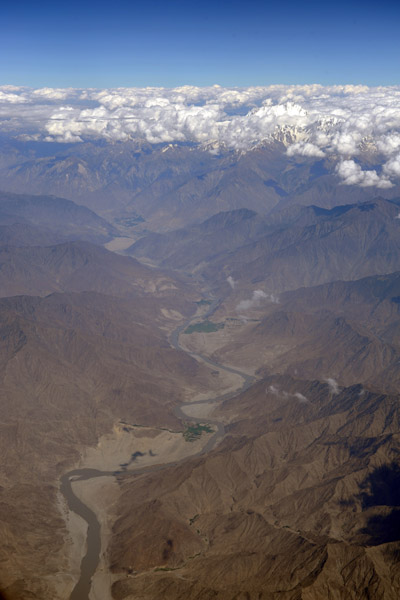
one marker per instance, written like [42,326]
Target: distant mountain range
[303,247]
[170,186]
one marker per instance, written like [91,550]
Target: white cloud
[352,174]
[300,397]
[340,122]
[305,149]
[257,298]
[52,93]
[9,97]
[392,167]
[333,385]
[387,144]
[231,281]
[272,389]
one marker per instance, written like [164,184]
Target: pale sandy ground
[199,411]
[172,314]
[119,244]
[157,445]
[101,493]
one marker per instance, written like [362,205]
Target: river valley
[83,589]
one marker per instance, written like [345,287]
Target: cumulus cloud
[272,389]
[339,122]
[305,149]
[8,97]
[333,385]
[52,93]
[257,298]
[231,281]
[352,174]
[392,167]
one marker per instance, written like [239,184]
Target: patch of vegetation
[166,569]
[193,432]
[204,327]
[192,520]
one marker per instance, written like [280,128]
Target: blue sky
[173,43]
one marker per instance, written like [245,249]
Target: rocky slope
[174,185]
[297,248]
[52,219]
[345,329]
[80,266]
[71,366]
[289,506]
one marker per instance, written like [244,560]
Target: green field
[193,432]
[204,327]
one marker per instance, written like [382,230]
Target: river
[90,561]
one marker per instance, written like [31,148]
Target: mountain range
[230,380]
[304,247]
[138,186]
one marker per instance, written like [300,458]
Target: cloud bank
[344,123]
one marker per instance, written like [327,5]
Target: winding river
[91,560]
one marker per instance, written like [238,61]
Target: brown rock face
[70,366]
[298,502]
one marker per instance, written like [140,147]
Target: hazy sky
[119,43]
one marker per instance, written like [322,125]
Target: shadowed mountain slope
[345,243]
[310,246]
[57,218]
[79,266]
[190,247]
[348,330]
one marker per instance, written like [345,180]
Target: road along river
[90,561]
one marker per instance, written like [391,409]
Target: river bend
[91,559]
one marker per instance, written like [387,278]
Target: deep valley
[199,351]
